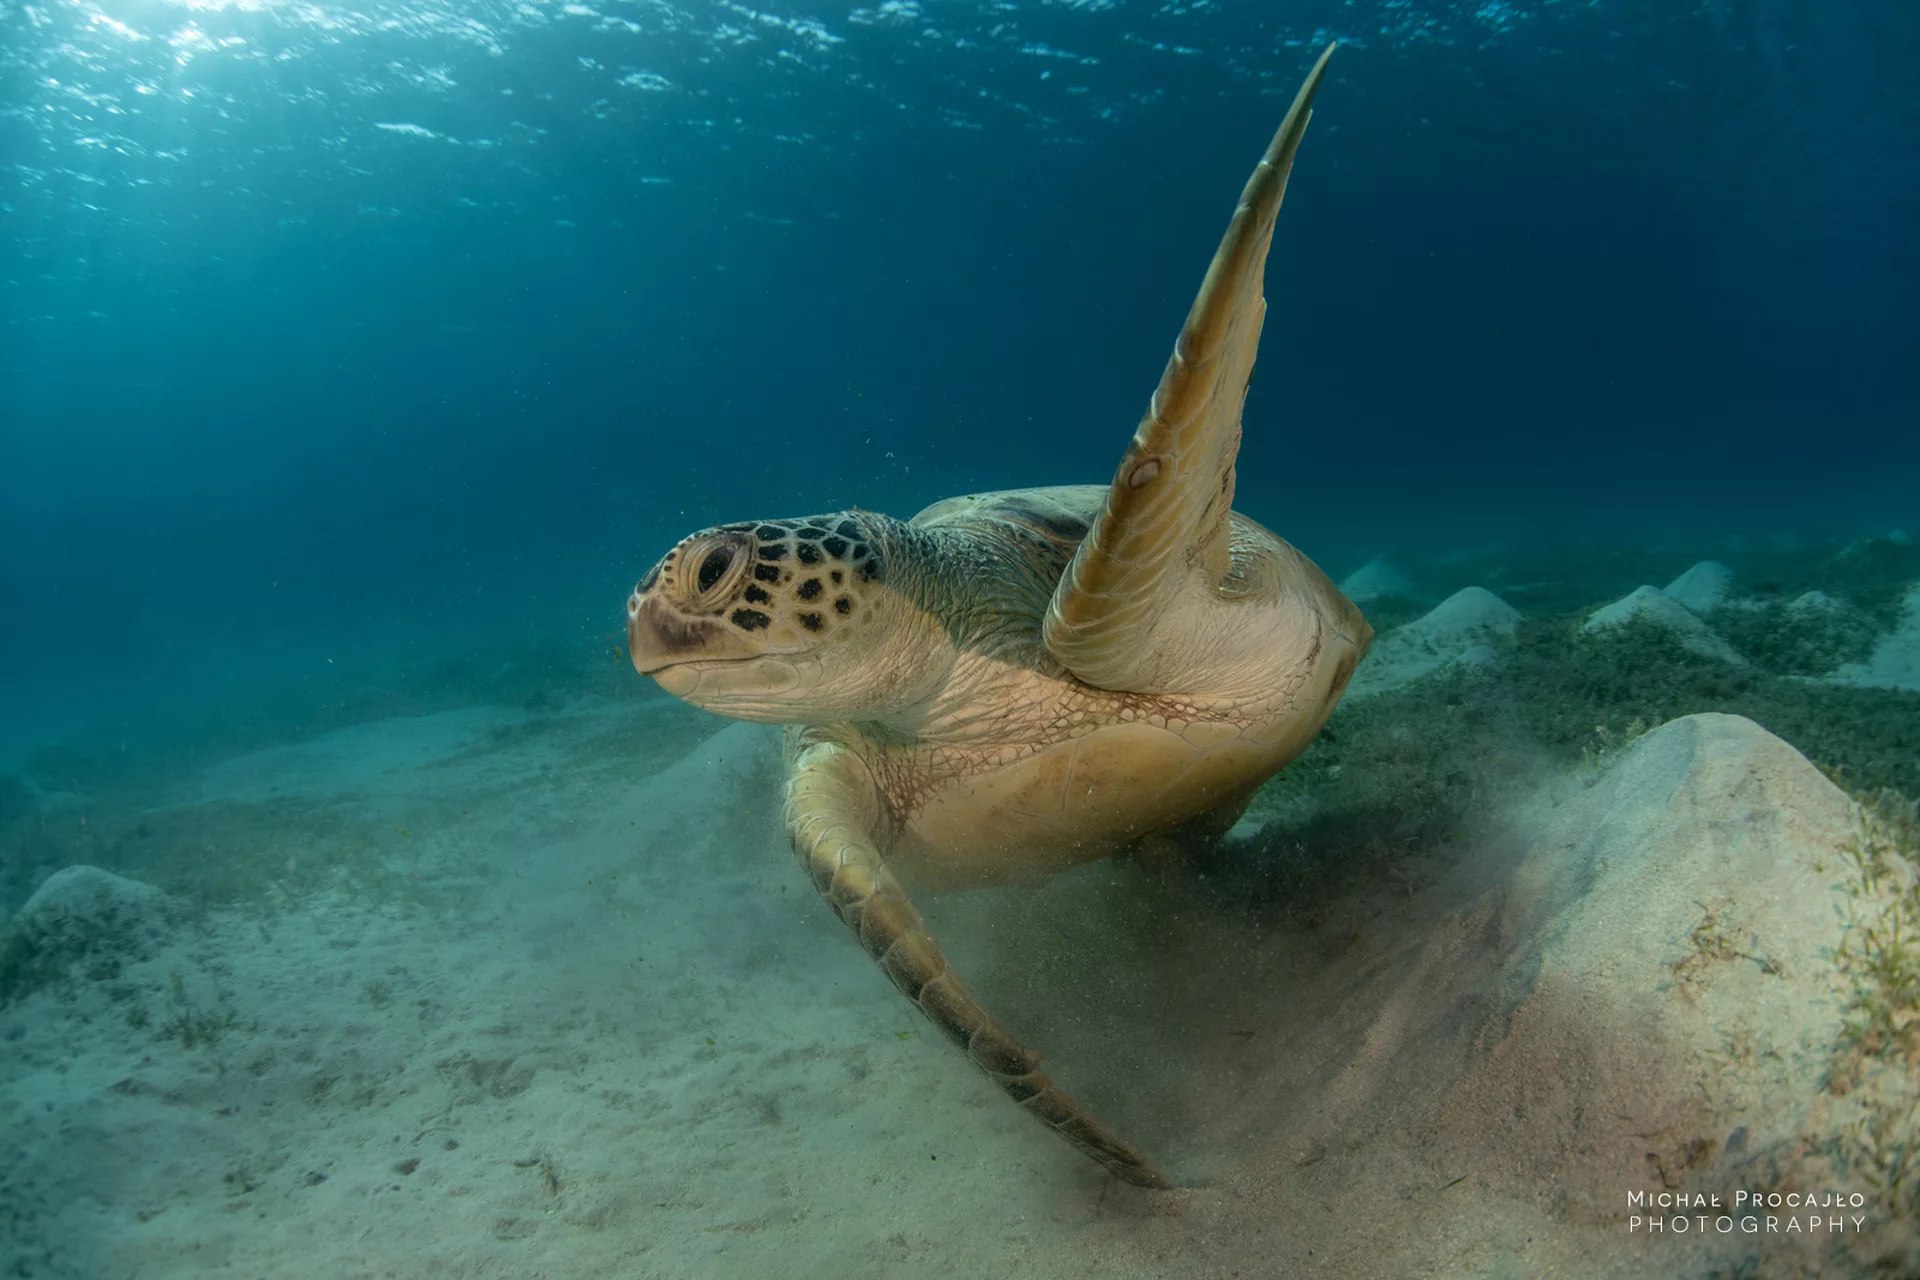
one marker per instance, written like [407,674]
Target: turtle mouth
[654,663]
[679,651]
[667,666]
[739,687]
[659,638]
[682,679]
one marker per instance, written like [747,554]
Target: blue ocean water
[356,358]
[334,328]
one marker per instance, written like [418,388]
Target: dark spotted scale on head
[780,580]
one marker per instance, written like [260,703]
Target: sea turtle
[1012,684]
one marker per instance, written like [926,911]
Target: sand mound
[1375,580]
[1895,662]
[1650,604]
[1815,601]
[1643,1002]
[85,920]
[1702,587]
[1462,628]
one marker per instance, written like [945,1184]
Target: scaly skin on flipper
[1167,510]
[832,811]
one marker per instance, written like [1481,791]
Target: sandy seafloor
[531,987]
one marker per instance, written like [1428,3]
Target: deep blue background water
[330,330]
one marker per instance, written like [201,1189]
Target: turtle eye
[717,562]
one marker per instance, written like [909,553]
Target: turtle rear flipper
[1165,523]
[832,811]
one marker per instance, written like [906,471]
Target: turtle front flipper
[1165,521]
[833,810]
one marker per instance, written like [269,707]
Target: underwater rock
[1461,625]
[1702,587]
[1895,661]
[1653,605]
[1375,580]
[79,917]
[1899,537]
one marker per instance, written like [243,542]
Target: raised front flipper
[1165,522]
[832,813]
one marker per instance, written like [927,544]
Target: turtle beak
[658,638]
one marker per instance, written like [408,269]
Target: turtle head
[784,620]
